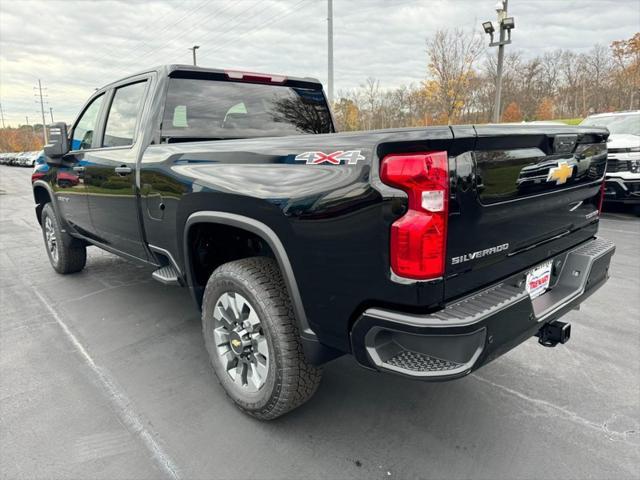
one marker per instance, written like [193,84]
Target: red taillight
[255,77]
[419,238]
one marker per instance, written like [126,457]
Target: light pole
[51,113]
[330,49]
[505,25]
[193,50]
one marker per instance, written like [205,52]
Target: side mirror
[58,145]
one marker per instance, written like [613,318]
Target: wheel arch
[270,238]
[42,195]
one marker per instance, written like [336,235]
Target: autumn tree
[21,139]
[626,57]
[545,109]
[347,114]
[512,113]
[459,88]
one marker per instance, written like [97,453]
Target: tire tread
[72,254]
[298,379]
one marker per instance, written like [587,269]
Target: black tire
[290,379]
[71,253]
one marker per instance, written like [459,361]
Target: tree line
[25,138]
[460,86]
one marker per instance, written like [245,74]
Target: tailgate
[521,195]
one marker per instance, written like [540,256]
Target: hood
[623,140]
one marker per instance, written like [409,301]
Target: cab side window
[123,115]
[83,131]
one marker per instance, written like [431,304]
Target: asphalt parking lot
[104,374]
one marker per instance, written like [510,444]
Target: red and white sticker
[538,280]
[349,157]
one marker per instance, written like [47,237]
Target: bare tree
[371,93]
[452,56]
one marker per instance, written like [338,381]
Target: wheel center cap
[237,345]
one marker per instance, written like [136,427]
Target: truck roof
[613,114]
[168,69]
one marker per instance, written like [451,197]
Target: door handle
[123,170]
[78,169]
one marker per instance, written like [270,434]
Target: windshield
[617,124]
[207,109]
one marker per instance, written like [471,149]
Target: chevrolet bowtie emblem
[236,343]
[560,174]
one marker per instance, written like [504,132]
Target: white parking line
[120,401]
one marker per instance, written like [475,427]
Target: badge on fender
[349,157]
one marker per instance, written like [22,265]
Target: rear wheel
[66,254]
[253,340]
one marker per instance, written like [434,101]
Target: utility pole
[44,122]
[505,25]
[330,49]
[51,113]
[193,50]
[2,115]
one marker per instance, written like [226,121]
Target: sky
[74,47]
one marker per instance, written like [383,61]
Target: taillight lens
[419,238]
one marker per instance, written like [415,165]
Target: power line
[140,58]
[269,21]
[167,26]
[242,19]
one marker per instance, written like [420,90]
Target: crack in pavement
[566,413]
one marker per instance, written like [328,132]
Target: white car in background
[623,161]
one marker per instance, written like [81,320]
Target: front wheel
[66,254]
[253,341]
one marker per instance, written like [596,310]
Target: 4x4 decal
[349,157]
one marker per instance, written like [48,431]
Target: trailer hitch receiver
[554,333]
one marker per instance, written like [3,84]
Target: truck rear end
[422,251]
[504,220]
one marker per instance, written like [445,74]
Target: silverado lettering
[299,244]
[479,254]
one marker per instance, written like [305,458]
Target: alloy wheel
[240,342]
[50,235]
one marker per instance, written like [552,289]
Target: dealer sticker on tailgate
[538,280]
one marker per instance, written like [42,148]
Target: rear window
[198,109]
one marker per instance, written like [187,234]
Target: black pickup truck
[425,252]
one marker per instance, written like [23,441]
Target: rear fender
[315,352]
